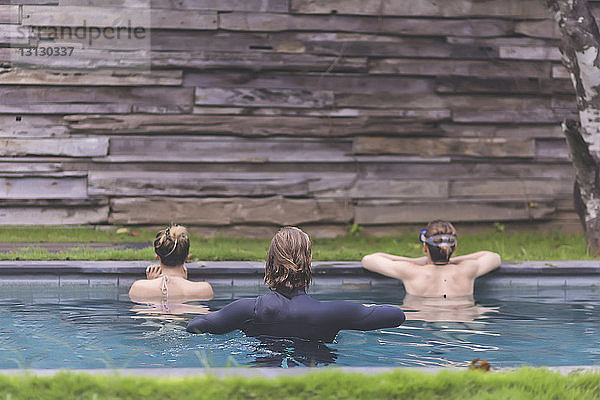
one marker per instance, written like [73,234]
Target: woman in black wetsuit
[287,311]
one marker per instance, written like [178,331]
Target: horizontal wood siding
[237,116]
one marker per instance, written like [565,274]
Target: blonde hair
[288,260]
[439,227]
[172,245]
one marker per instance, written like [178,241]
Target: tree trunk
[580,48]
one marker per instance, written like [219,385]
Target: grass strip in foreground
[525,383]
[517,246]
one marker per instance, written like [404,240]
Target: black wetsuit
[295,314]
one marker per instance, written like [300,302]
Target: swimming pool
[98,327]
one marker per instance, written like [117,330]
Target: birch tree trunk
[580,48]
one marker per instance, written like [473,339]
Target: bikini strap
[164,289]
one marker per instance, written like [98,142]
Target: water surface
[100,328]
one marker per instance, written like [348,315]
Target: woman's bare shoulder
[141,284]
[143,288]
[202,289]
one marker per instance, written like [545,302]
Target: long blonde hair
[288,260]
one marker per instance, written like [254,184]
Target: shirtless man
[435,274]
[167,282]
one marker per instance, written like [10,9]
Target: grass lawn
[526,383]
[521,246]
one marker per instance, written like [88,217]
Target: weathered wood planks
[514,188]
[248,126]
[264,97]
[372,212]
[237,116]
[329,44]
[552,148]
[546,28]
[42,187]
[453,8]
[432,67]
[404,116]
[223,5]
[14,35]
[274,22]
[53,212]
[474,85]
[231,211]
[224,149]
[69,147]
[9,14]
[63,100]
[12,75]
[357,83]
[530,53]
[151,183]
[202,5]
[81,58]
[551,170]
[256,61]
[38,168]
[32,126]
[470,147]
[115,17]
[391,188]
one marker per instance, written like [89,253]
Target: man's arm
[417,260]
[393,266]
[227,319]
[485,261]
[356,316]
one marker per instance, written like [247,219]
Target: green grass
[526,383]
[33,234]
[522,246]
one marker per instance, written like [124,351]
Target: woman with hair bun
[168,281]
[287,311]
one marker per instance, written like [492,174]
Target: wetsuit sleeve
[227,319]
[356,316]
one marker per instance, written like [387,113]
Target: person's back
[167,282]
[287,311]
[169,286]
[435,274]
[296,314]
[456,278]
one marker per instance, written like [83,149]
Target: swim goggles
[438,240]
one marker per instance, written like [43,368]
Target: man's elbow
[367,261]
[495,259]
[396,318]
[400,318]
[195,326]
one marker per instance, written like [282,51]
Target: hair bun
[178,232]
[172,245]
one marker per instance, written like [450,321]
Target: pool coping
[207,268]
[250,273]
[273,372]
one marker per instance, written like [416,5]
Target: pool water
[101,328]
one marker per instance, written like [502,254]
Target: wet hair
[288,260]
[172,245]
[440,255]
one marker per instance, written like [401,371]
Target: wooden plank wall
[242,115]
